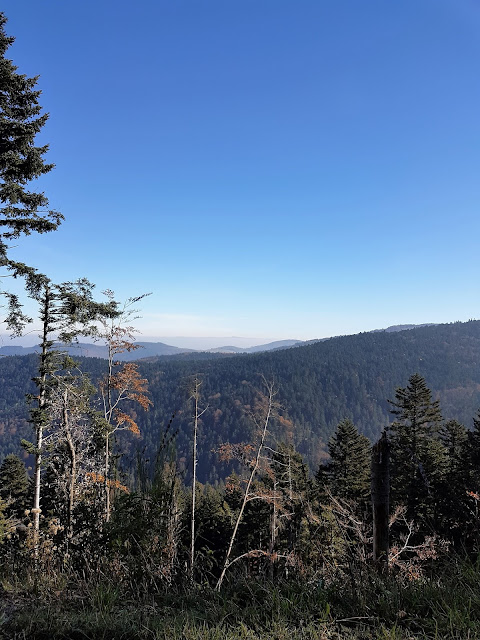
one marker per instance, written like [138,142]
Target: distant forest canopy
[318,385]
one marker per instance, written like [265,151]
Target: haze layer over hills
[152,348]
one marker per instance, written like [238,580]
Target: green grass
[369,607]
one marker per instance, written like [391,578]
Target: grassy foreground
[447,606]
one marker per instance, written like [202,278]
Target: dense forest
[318,386]
[123,456]
[271,530]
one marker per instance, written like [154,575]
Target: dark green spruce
[349,469]
[418,455]
[22,210]
[14,485]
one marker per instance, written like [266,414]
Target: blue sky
[267,168]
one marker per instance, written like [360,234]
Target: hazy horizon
[200,342]
[185,342]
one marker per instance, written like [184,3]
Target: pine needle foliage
[349,469]
[417,453]
[14,485]
[22,210]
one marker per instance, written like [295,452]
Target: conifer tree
[22,211]
[417,454]
[472,459]
[343,492]
[213,519]
[453,493]
[65,312]
[3,520]
[14,485]
[294,494]
[349,469]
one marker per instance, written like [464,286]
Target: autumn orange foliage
[98,478]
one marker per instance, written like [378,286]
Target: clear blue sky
[268,168]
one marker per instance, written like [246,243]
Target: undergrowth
[368,606]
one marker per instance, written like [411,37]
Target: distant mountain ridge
[271,346]
[404,327]
[92,350]
[144,350]
[158,349]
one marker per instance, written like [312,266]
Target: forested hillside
[239,169]
[318,386]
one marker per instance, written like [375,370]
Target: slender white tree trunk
[273,530]
[105,481]
[196,415]
[39,426]
[194,479]
[253,472]
[73,465]
[108,418]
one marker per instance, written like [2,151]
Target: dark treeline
[272,520]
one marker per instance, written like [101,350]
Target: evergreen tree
[213,529]
[297,494]
[14,485]
[417,454]
[452,499]
[343,493]
[349,468]
[66,311]
[3,520]
[472,458]
[22,211]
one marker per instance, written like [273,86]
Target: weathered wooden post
[380,501]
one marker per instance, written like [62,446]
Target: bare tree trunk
[194,475]
[196,415]
[380,501]
[253,472]
[73,466]
[290,490]
[107,471]
[39,425]
[36,498]
[108,417]
[273,530]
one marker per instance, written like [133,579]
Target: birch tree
[261,419]
[73,436]
[197,414]
[66,311]
[122,385]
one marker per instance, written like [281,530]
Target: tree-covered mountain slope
[318,385]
